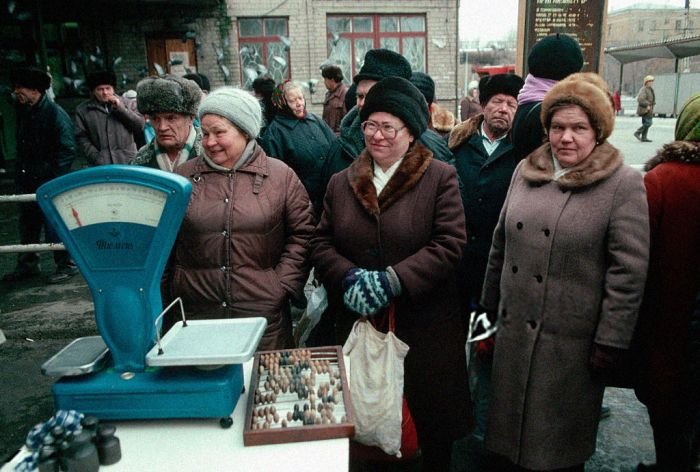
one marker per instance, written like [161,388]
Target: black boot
[638,133]
[644,136]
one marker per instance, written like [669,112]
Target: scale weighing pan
[208,342]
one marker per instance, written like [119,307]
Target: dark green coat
[302,144]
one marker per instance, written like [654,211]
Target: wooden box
[282,372]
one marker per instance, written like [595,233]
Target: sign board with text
[581,19]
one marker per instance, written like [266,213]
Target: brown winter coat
[334,107]
[646,100]
[242,246]
[673,192]
[416,226]
[566,269]
[107,137]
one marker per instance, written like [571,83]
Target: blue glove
[366,291]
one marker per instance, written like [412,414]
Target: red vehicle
[493,70]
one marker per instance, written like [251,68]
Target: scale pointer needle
[77,218]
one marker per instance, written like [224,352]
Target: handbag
[384,427]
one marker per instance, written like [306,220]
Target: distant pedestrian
[106,125]
[470,106]
[673,190]
[334,103]
[646,99]
[617,102]
[543,73]
[45,150]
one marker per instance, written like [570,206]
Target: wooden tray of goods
[298,395]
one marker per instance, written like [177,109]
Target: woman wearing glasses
[392,232]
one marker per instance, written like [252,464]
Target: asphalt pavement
[38,319]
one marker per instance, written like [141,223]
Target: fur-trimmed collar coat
[416,226]
[673,192]
[605,159]
[567,269]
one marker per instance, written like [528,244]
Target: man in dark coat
[45,150]
[107,125]
[485,161]
[334,103]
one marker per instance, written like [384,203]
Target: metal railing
[13,248]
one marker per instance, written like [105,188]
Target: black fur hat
[101,77]
[169,94]
[507,84]
[399,97]
[554,57]
[381,63]
[31,78]
[425,84]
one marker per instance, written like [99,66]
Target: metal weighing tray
[82,356]
[208,342]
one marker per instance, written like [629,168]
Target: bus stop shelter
[669,49]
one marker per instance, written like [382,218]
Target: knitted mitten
[366,291]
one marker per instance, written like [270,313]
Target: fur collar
[677,151]
[600,164]
[410,171]
[465,130]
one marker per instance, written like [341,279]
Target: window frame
[376,35]
[264,40]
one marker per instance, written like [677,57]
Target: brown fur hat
[590,92]
[443,120]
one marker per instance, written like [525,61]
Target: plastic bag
[317,302]
[376,385]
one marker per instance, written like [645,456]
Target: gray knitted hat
[237,106]
[168,94]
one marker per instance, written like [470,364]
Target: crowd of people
[523,213]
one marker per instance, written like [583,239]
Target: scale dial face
[110,202]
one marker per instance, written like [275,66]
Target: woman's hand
[604,360]
[366,291]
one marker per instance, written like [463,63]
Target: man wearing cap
[170,103]
[646,99]
[45,150]
[334,103]
[485,161]
[105,125]
[550,60]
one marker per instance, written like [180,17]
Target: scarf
[164,162]
[245,156]
[534,89]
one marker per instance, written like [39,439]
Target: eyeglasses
[389,132]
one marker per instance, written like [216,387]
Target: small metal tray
[208,342]
[82,356]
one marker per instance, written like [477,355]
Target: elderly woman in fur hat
[565,275]
[673,192]
[242,246]
[390,237]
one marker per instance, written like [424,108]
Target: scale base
[156,393]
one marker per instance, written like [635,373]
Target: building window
[350,37]
[679,25]
[264,49]
[640,26]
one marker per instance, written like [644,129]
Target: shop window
[351,36]
[264,49]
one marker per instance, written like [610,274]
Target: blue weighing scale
[119,224]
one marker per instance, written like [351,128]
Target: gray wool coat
[566,269]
